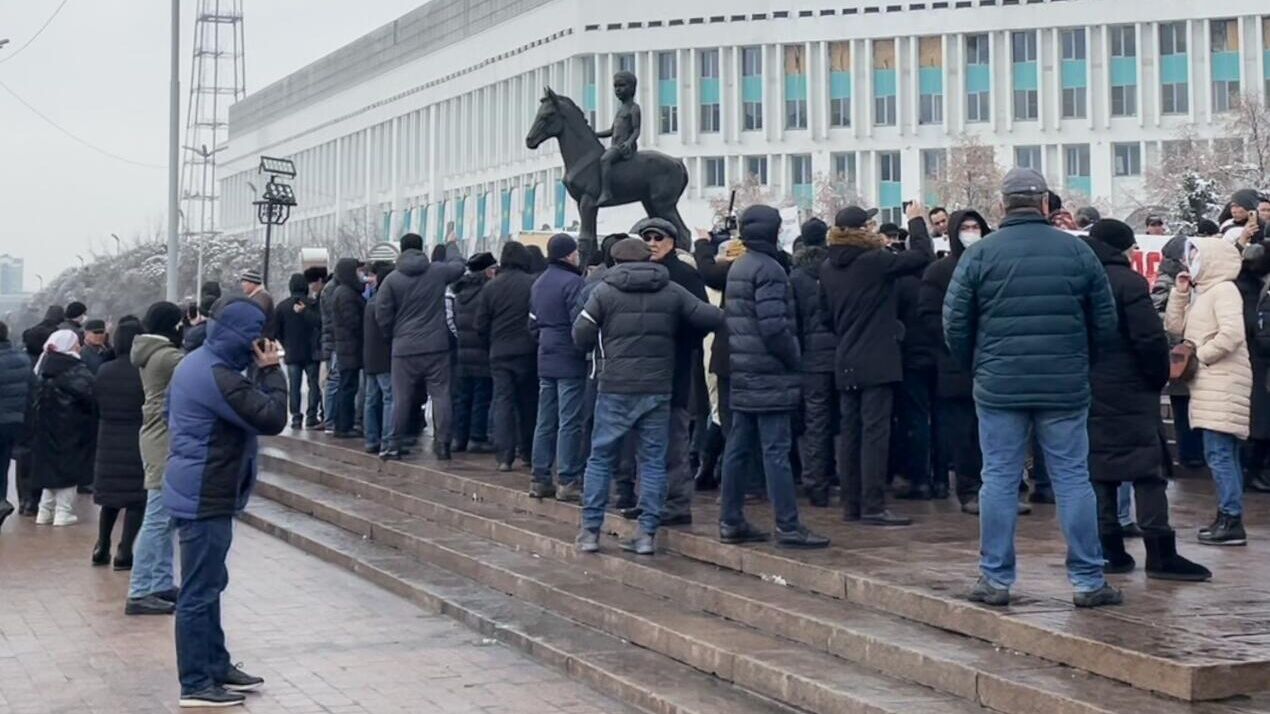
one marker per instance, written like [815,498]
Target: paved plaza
[324,639]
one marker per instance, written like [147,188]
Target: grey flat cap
[1023,180]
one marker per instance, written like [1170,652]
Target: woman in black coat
[64,428]
[119,477]
[1126,379]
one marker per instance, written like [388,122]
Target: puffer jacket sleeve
[960,317]
[700,316]
[1175,312]
[386,307]
[257,408]
[586,328]
[713,271]
[771,307]
[484,316]
[1160,291]
[1229,312]
[1146,333]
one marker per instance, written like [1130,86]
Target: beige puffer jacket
[1211,317]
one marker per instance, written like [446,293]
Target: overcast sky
[100,70]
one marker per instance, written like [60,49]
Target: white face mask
[969,238]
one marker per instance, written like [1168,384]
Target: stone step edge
[798,687]
[491,622]
[1185,682]
[900,660]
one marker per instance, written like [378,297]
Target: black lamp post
[273,208]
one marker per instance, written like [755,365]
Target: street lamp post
[37,275]
[118,246]
[274,206]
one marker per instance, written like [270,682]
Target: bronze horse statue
[649,177]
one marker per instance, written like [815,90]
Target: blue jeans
[379,423]
[152,553]
[201,658]
[616,414]
[770,432]
[1063,438]
[1221,453]
[471,409]
[1190,443]
[559,429]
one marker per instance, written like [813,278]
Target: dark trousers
[820,422]
[915,394]
[866,436]
[679,476]
[132,518]
[515,407]
[754,476]
[471,409]
[959,431]
[8,439]
[771,433]
[346,398]
[201,657]
[296,375]
[1149,500]
[1190,443]
[414,378]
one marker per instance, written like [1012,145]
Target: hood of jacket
[146,346]
[55,363]
[55,315]
[760,224]
[232,329]
[468,287]
[810,259]
[954,223]
[1107,254]
[847,244]
[346,272]
[1217,262]
[298,286]
[412,262]
[515,256]
[642,277]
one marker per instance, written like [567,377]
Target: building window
[795,87]
[1224,62]
[840,84]
[978,79]
[1173,38]
[1026,99]
[1225,94]
[1027,157]
[840,112]
[884,83]
[930,80]
[1073,102]
[884,111]
[626,62]
[934,168]
[1173,98]
[1124,41]
[709,61]
[1174,69]
[800,179]
[890,196]
[715,172]
[1073,70]
[589,89]
[756,169]
[752,88]
[1127,158]
[930,109]
[1124,70]
[843,166]
[1076,168]
[667,92]
[1124,101]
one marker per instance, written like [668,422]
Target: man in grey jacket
[410,308]
[633,319]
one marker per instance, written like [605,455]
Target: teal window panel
[441,222]
[506,228]
[1081,184]
[795,86]
[1174,69]
[527,209]
[460,208]
[1124,71]
[889,194]
[668,92]
[930,80]
[387,226]
[840,84]
[1225,66]
[406,217]
[1265,63]
[1024,75]
[709,91]
[561,197]
[1073,74]
[752,89]
[803,194]
[482,202]
[978,78]
[931,198]
[884,83]
[589,97]
[422,219]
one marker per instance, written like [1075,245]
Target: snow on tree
[971,178]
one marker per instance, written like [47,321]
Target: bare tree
[749,192]
[971,178]
[832,193]
[1249,123]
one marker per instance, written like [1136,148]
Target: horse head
[550,122]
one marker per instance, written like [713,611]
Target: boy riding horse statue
[598,178]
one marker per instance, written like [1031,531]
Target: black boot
[1258,482]
[1118,561]
[1228,530]
[1163,562]
[705,479]
[101,553]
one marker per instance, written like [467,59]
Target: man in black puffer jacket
[15,385]
[632,319]
[858,298]
[502,321]
[411,312]
[820,399]
[765,362]
[475,389]
[297,322]
[347,314]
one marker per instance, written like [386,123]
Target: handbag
[1182,362]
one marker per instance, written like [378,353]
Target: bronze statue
[597,177]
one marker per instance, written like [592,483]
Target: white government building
[420,125]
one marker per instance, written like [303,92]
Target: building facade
[11,275]
[420,125]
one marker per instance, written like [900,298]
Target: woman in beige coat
[1206,310]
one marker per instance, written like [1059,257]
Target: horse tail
[683,172]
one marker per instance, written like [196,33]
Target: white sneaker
[44,517]
[65,519]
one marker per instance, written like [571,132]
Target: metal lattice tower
[217,80]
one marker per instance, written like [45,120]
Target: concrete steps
[400,504]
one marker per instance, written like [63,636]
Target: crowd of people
[864,363]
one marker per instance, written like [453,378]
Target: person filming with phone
[215,414]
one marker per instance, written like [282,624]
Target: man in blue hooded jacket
[215,414]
